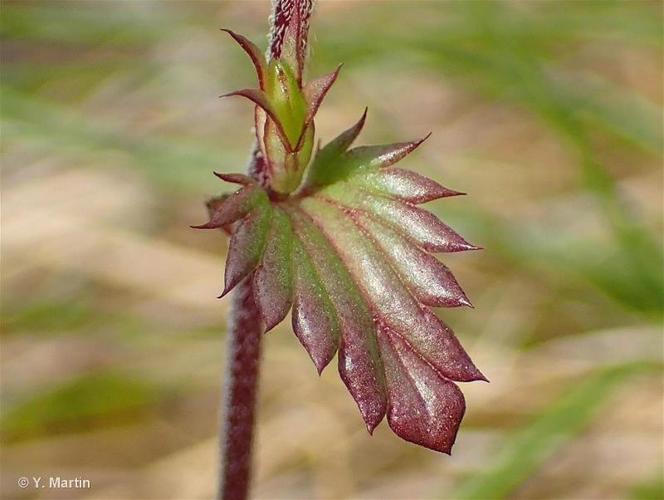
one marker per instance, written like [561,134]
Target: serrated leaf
[423,274]
[404,185]
[315,320]
[379,156]
[360,365]
[352,255]
[338,165]
[246,247]
[424,408]
[235,206]
[273,280]
[388,299]
[418,225]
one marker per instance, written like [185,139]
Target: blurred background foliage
[549,113]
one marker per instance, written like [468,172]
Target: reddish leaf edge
[406,432]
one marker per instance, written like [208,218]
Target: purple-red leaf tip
[235,178]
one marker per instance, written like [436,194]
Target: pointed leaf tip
[322,169]
[234,207]
[254,54]
[466,247]
[344,140]
[314,318]
[207,225]
[403,184]
[465,302]
[424,408]
[418,225]
[235,178]
[260,99]
[427,278]
[316,90]
[246,247]
[384,155]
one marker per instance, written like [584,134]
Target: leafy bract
[351,253]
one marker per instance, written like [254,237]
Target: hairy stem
[290,19]
[244,337]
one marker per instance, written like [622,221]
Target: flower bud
[285,106]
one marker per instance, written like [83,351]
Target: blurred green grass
[131,86]
[527,449]
[101,398]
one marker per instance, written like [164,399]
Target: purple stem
[244,340]
[289,18]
